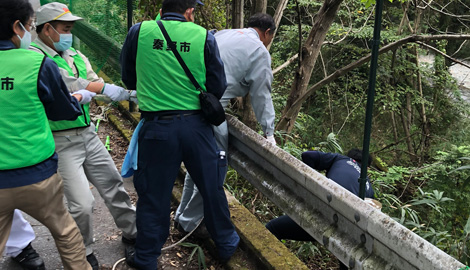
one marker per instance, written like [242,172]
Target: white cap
[54,12]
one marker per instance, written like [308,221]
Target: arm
[318,160]
[92,82]
[52,91]
[259,77]
[216,83]
[96,83]
[128,57]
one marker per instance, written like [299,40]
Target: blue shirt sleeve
[52,91]
[318,160]
[216,82]
[128,57]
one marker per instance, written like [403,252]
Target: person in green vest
[82,156]
[31,92]
[173,128]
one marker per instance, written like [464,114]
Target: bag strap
[178,56]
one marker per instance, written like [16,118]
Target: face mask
[65,41]
[25,41]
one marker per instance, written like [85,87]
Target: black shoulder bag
[211,108]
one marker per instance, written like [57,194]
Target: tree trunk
[259,6]
[248,115]
[310,52]
[409,143]
[393,83]
[243,104]
[237,13]
[277,17]
[291,113]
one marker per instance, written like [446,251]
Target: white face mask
[25,41]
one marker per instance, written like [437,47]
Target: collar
[172,16]
[51,51]
[7,44]
[254,31]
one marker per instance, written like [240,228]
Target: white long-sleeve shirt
[247,66]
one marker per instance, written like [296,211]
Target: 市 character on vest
[247,65]
[172,129]
[31,93]
[82,156]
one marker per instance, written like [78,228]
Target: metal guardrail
[359,235]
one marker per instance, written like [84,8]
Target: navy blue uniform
[342,169]
[166,139]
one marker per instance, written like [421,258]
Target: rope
[100,113]
[168,247]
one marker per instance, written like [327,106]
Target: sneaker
[200,232]
[129,247]
[131,263]
[29,259]
[93,261]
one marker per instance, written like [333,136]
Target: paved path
[107,247]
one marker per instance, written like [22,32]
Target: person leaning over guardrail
[31,92]
[82,155]
[344,170]
[174,129]
[247,65]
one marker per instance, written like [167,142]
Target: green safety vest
[84,119]
[25,136]
[162,83]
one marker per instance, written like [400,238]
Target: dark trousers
[163,145]
[284,227]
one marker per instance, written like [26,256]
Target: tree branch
[277,18]
[386,48]
[440,11]
[288,62]
[443,54]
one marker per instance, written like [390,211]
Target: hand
[133,97]
[116,93]
[271,139]
[86,96]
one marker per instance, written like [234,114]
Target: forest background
[320,59]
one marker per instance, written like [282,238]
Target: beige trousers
[44,202]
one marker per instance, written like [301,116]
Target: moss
[263,246]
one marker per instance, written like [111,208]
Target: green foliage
[431,200]
[371,2]
[201,258]
[331,144]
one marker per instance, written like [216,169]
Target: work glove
[133,96]
[116,93]
[86,95]
[271,139]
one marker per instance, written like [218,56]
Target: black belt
[169,116]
